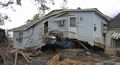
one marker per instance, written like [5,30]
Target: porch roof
[116,35]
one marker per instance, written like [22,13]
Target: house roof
[28,25]
[115,22]
[54,12]
[23,27]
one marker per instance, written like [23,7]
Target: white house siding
[108,38]
[31,37]
[84,26]
[16,43]
[37,35]
[72,31]
[98,34]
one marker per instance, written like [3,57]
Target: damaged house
[113,35]
[83,24]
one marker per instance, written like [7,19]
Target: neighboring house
[83,24]
[113,35]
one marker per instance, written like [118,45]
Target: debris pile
[33,56]
[58,60]
[57,51]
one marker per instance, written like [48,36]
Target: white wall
[98,34]
[72,30]
[84,27]
[16,43]
[31,37]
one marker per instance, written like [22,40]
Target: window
[95,28]
[60,22]
[115,43]
[104,26]
[81,18]
[72,21]
[20,37]
[46,27]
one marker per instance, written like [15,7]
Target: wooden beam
[25,56]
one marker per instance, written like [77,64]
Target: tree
[3,18]
[43,7]
[35,18]
[41,4]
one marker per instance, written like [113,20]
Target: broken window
[20,37]
[104,36]
[95,28]
[60,22]
[72,21]
[46,27]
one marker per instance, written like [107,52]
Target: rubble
[75,52]
[33,56]
[56,60]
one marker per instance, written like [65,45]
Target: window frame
[20,39]
[61,22]
[71,24]
[46,25]
[95,27]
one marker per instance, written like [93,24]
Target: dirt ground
[32,56]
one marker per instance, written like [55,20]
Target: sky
[28,9]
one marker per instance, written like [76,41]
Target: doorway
[46,27]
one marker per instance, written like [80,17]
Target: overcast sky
[28,9]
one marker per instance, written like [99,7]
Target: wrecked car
[55,40]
